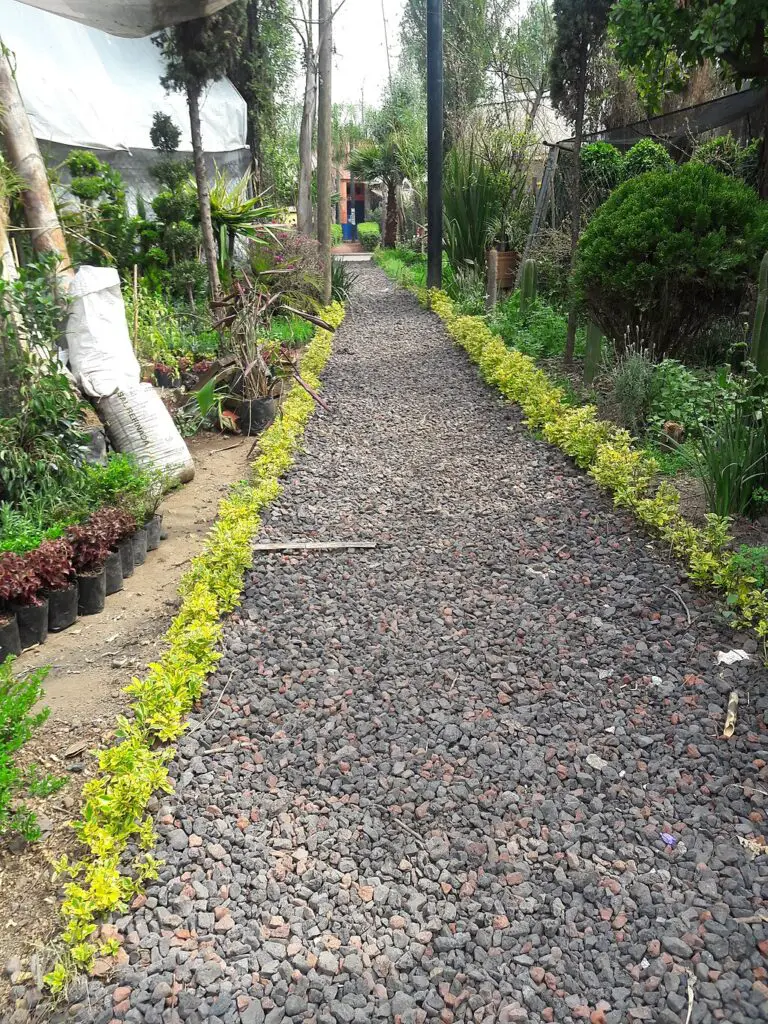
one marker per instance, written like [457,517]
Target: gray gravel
[441,768]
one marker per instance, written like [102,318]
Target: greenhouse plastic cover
[130,17]
[83,87]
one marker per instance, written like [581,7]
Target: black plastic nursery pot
[93,593]
[113,567]
[140,546]
[62,608]
[256,414]
[166,379]
[154,530]
[10,641]
[33,623]
[125,548]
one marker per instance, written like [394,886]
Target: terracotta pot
[508,263]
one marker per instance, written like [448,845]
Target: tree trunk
[573,320]
[390,222]
[24,157]
[203,195]
[324,127]
[762,171]
[304,201]
[254,44]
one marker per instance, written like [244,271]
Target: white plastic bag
[100,352]
[139,424]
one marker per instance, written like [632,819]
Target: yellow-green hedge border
[610,456]
[114,812]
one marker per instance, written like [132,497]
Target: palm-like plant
[378,161]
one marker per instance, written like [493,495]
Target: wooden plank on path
[315,545]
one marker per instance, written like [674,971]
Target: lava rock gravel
[430,780]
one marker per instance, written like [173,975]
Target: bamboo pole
[135,307]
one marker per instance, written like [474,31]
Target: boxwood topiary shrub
[602,168]
[369,234]
[645,156]
[667,253]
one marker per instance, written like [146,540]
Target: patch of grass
[671,461]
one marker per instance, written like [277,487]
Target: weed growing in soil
[18,696]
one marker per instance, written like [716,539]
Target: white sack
[139,424]
[101,356]
[130,17]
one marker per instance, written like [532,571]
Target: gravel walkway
[430,779]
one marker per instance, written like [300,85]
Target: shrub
[17,699]
[369,235]
[645,156]
[667,252]
[337,235]
[52,564]
[602,168]
[19,583]
[727,155]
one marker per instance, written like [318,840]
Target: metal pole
[435,143]
[324,162]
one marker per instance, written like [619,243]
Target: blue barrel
[346,232]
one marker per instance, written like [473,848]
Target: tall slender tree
[197,53]
[581,27]
[265,64]
[466,54]
[304,24]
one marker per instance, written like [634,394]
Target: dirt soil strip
[472,775]
[90,664]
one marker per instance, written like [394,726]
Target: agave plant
[237,209]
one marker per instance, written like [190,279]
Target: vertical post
[324,120]
[492,289]
[135,307]
[435,143]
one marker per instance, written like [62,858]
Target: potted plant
[119,527]
[52,562]
[166,376]
[20,588]
[10,641]
[154,493]
[90,550]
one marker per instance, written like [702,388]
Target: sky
[360,61]
[361,55]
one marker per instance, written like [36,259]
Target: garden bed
[90,663]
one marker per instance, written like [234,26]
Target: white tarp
[130,17]
[83,87]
